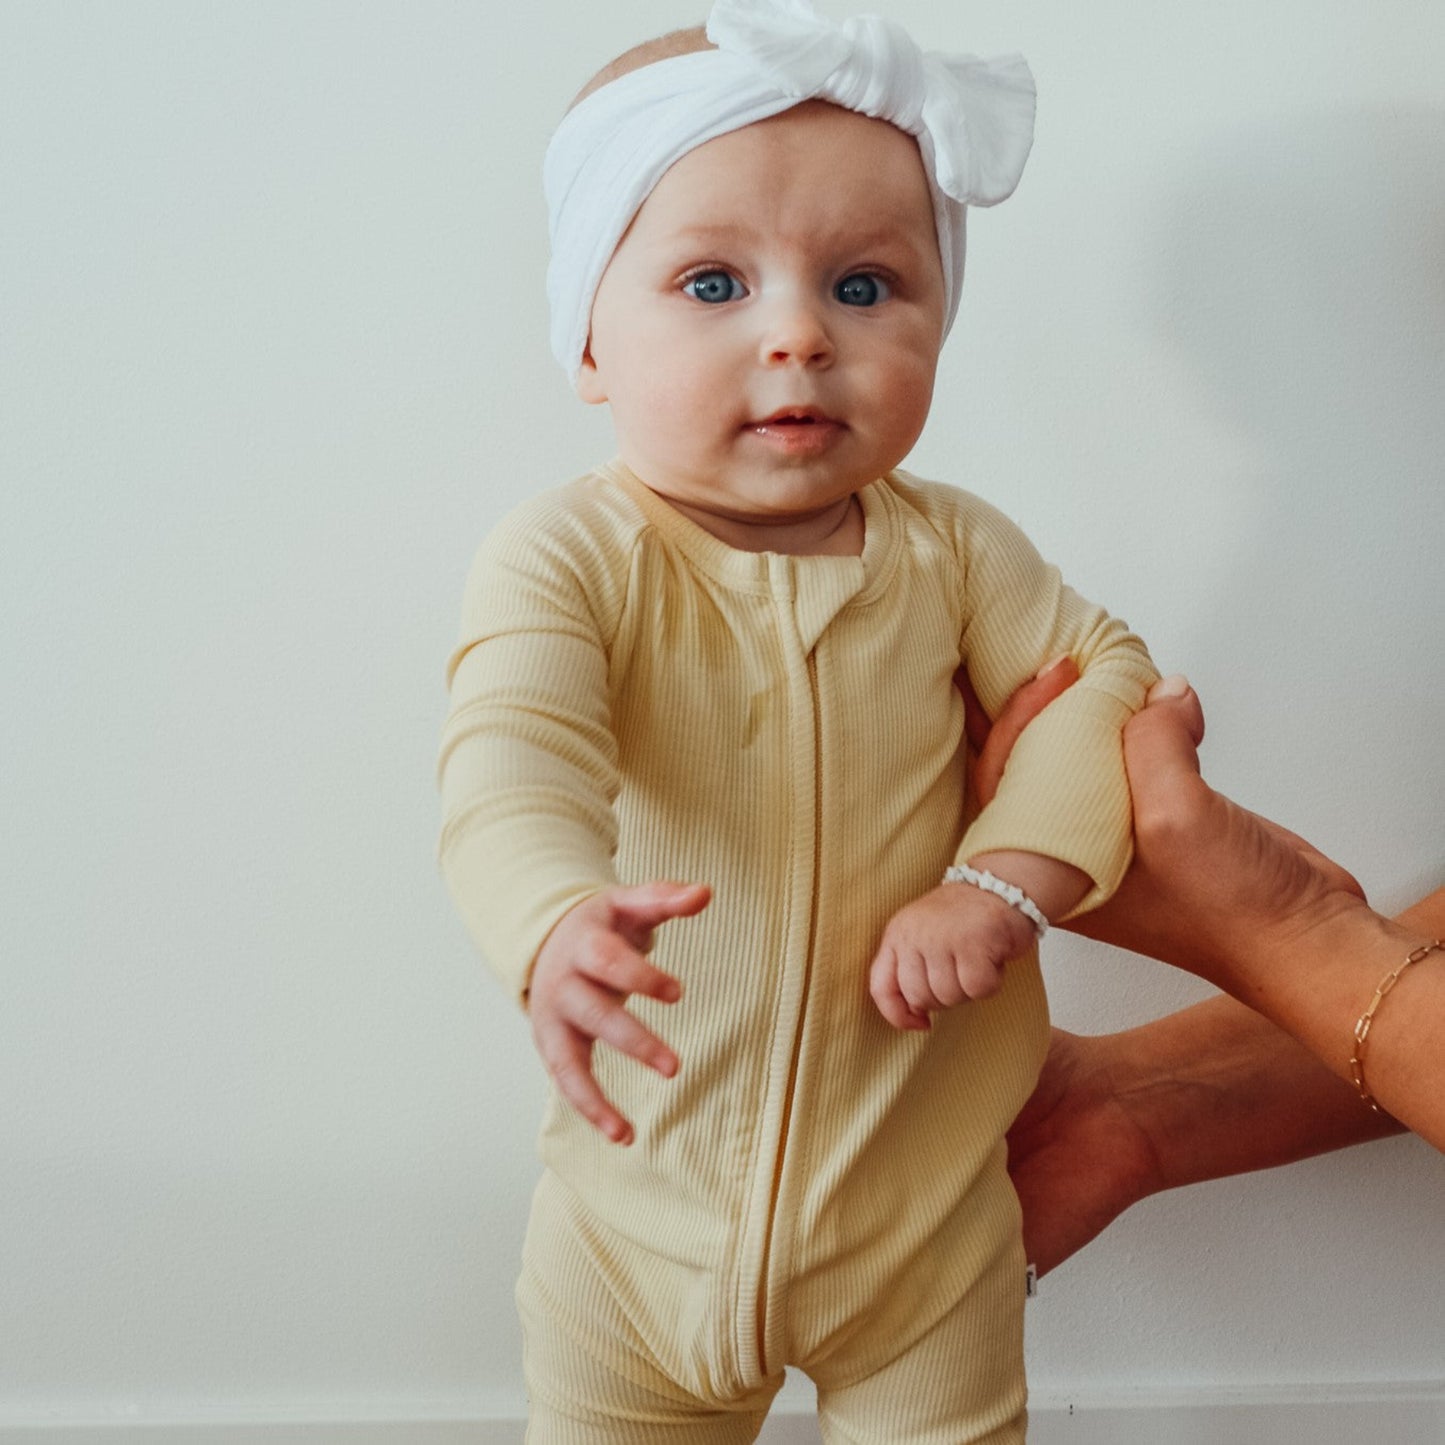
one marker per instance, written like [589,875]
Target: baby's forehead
[817,124]
[814,168]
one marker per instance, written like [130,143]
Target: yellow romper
[633,700]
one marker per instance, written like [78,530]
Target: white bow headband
[973,119]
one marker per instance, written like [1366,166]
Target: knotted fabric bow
[973,119]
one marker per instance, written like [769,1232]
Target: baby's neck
[836,531]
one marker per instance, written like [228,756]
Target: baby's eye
[714,286]
[862,289]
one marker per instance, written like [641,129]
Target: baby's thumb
[639,908]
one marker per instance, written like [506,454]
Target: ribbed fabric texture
[631,700]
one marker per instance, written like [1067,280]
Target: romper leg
[594,1373]
[578,1397]
[960,1384]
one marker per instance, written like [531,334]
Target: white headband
[974,121]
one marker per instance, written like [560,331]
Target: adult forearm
[1316,983]
[1204,1093]
[1312,979]
[1219,1090]
[1231,897]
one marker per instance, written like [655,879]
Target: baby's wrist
[1008,893]
[1051,885]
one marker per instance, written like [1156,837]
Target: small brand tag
[1031,1282]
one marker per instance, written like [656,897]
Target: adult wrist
[1260,958]
[1159,1105]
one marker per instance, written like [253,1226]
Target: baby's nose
[796,333]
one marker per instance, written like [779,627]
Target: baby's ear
[589,380]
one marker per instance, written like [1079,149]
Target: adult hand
[1206,1092]
[1210,880]
[1193,846]
[1078,1156]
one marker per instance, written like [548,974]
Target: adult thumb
[1161,745]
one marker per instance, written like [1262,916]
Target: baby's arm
[1059,824]
[952,943]
[528,776]
[1064,794]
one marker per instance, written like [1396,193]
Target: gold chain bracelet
[1362,1028]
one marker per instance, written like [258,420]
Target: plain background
[274,359]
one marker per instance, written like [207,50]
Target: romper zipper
[785,1126]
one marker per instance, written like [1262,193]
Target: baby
[728,656]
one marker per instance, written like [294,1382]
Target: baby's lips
[797,416]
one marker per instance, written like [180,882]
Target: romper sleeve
[528,763]
[1064,793]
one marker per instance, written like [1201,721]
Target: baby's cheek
[907,382]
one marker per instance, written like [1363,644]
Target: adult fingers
[1018,712]
[976,721]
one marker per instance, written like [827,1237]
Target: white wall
[274,357]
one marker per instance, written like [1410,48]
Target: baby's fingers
[888,996]
[639,908]
[567,1053]
[598,1014]
[616,1027]
[977,976]
[608,961]
[945,976]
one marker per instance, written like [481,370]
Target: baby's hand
[584,971]
[945,947]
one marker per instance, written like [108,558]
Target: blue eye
[862,290]
[714,286]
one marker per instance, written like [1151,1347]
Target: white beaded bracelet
[1011,894]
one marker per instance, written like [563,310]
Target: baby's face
[768,329]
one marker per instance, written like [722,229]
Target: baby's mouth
[799,431]
[796,417]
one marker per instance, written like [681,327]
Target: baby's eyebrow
[856,242]
[705,232]
[890,238]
